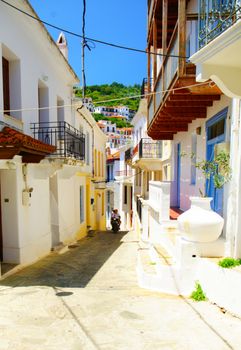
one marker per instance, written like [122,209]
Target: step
[156,272]
[161,273]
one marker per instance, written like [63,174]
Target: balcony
[124,176]
[148,155]
[219,45]
[69,142]
[177,100]
[215,17]
[126,172]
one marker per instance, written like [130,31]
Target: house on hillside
[49,153]
[122,111]
[117,137]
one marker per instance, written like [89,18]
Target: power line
[83,49]
[126,177]
[90,39]
[211,84]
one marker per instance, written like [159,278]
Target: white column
[234,193]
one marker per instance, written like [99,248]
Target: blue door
[215,131]
[178,173]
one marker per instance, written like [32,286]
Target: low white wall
[26,228]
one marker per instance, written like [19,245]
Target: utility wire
[126,178]
[91,39]
[84,43]
[211,84]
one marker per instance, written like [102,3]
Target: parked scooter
[115,223]
[115,220]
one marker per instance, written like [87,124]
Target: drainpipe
[92,128]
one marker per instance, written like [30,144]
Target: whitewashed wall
[26,228]
[39,61]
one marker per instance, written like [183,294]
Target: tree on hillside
[113,91]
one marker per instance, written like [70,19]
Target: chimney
[62,44]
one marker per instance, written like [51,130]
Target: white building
[88,103]
[43,201]
[198,108]
[113,111]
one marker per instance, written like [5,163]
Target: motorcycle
[115,223]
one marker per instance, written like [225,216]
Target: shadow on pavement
[75,268]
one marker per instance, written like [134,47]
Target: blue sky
[118,21]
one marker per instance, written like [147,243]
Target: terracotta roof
[13,142]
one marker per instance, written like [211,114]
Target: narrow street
[88,298]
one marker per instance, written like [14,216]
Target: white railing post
[159,198]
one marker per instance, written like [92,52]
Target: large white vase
[200,223]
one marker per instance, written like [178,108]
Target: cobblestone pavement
[88,298]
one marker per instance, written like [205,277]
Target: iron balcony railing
[215,17]
[69,142]
[149,148]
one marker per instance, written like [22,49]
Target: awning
[13,142]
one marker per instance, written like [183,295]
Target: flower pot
[200,223]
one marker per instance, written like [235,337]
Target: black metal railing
[149,148]
[69,142]
[215,17]
[139,207]
[128,154]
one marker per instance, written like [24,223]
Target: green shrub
[229,263]
[198,294]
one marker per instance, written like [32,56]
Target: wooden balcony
[177,98]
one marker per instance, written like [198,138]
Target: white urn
[200,223]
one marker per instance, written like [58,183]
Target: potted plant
[200,223]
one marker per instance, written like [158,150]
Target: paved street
[88,298]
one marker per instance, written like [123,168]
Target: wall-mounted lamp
[45,77]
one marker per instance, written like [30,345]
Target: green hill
[112,91]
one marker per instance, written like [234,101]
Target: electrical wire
[90,39]
[84,44]
[126,178]
[211,84]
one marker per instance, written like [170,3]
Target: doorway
[215,131]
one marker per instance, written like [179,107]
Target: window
[6,94]
[102,165]
[99,165]
[87,140]
[125,194]
[11,83]
[147,181]
[193,158]
[216,129]
[81,201]
[60,109]
[43,101]
[103,204]
[95,163]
